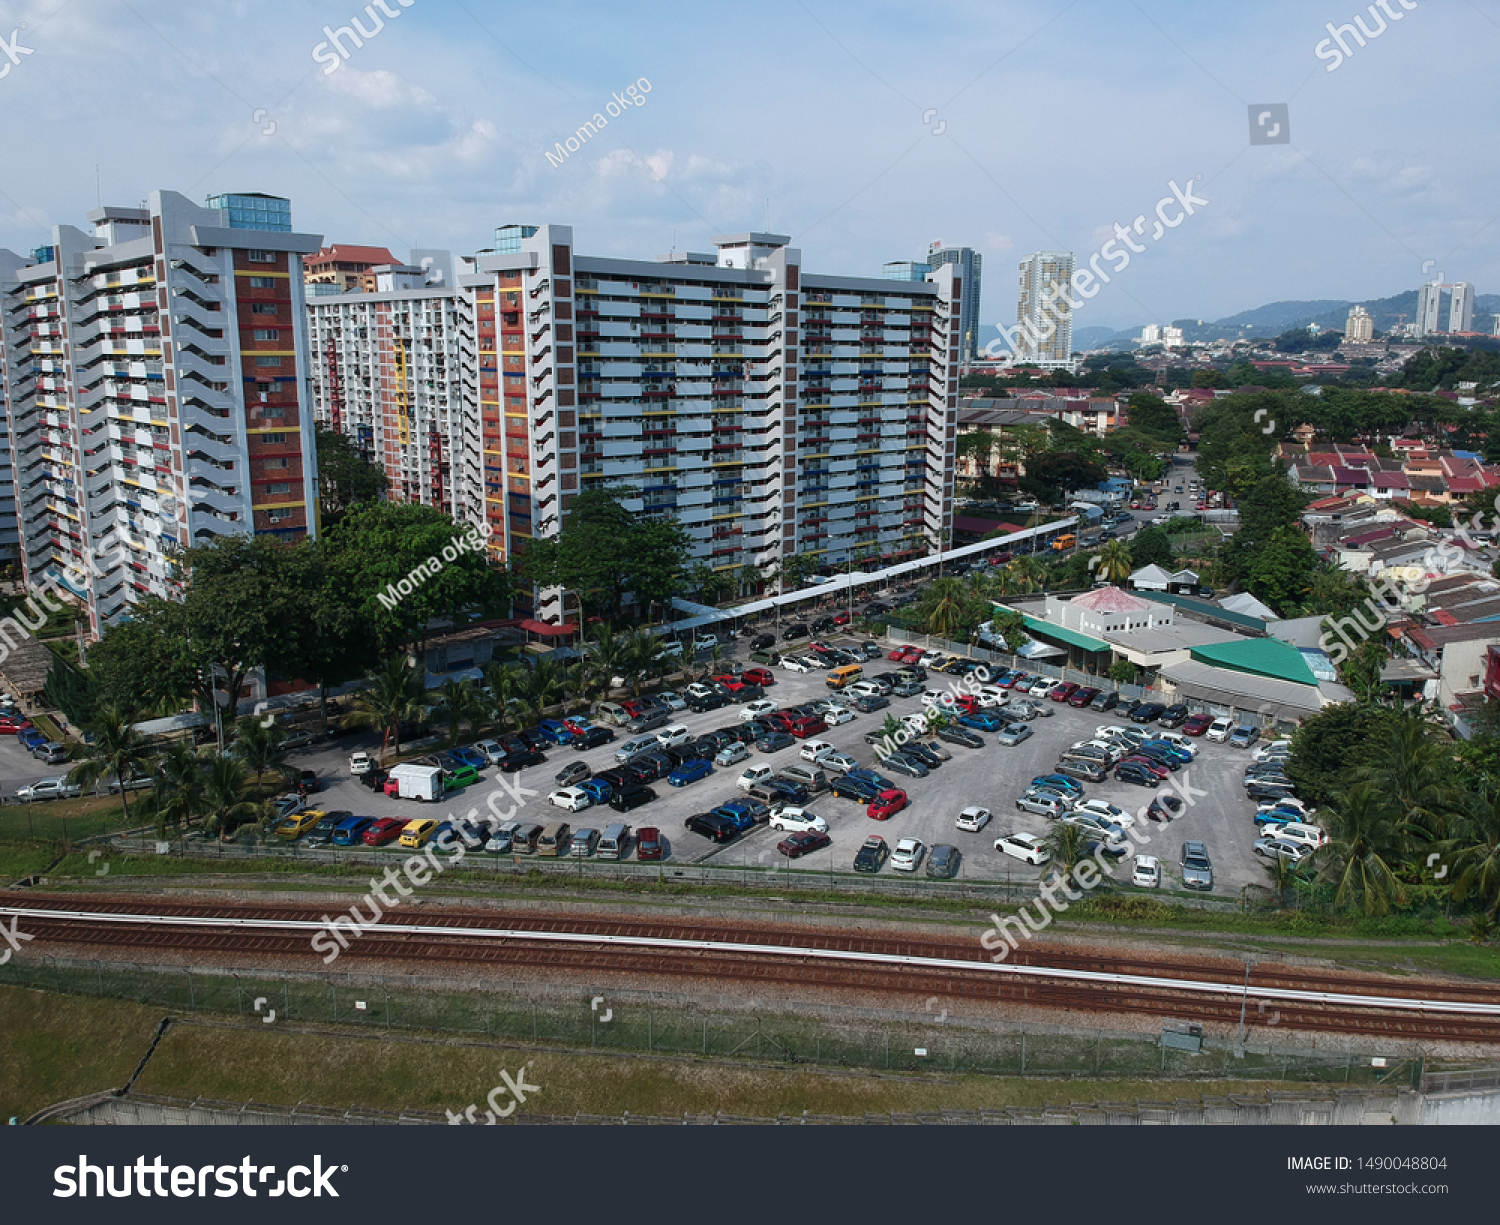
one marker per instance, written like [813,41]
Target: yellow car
[299,823]
[417,832]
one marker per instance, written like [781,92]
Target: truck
[413,782]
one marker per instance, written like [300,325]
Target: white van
[613,842]
[635,746]
[670,737]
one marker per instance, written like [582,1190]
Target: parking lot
[991,777]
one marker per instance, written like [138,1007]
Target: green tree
[1357,858]
[178,791]
[1332,741]
[1151,547]
[1068,845]
[143,666]
[113,750]
[1114,562]
[258,744]
[455,702]
[224,803]
[1009,626]
[1122,672]
[1278,572]
[345,477]
[505,686]
[1473,850]
[390,697]
[72,691]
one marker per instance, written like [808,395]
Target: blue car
[982,721]
[740,815]
[1167,749]
[351,830]
[1279,816]
[1059,782]
[689,771]
[30,739]
[470,756]
[867,775]
[554,731]
[598,790]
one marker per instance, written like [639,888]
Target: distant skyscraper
[1359,328]
[969,264]
[1044,316]
[1429,308]
[1150,334]
[1461,312]
[904,270]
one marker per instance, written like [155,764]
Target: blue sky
[1057,120]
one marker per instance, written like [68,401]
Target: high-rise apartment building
[1429,320]
[153,372]
[970,265]
[1359,328]
[1461,310]
[1044,313]
[770,411]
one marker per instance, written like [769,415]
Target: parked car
[384,831]
[570,799]
[798,820]
[630,798]
[1174,715]
[794,846]
[961,735]
[1026,847]
[973,819]
[872,855]
[887,804]
[1243,736]
[1147,872]
[1136,772]
[1053,806]
[1064,691]
[900,763]
[1147,712]
[852,787]
[1272,847]
[50,789]
[1197,868]
[1083,697]
[943,861]
[715,829]
[1218,730]
[908,855]
[690,772]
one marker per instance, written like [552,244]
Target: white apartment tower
[1430,308]
[1359,328]
[153,372]
[1044,313]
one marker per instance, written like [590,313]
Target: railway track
[1196,989]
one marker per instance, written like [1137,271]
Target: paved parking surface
[991,777]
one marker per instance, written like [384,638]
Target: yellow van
[554,840]
[1063,543]
[845,675]
[416,833]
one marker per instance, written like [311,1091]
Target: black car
[1110,850]
[774,742]
[322,832]
[1165,808]
[1130,772]
[824,625]
[631,798]
[1148,712]
[860,790]
[1089,771]
[712,827]
[716,700]
[762,642]
[512,762]
[900,763]
[869,703]
[1125,707]
[1153,753]
[1257,790]
[592,738]
[943,861]
[787,791]
[745,733]
[655,760]
[1174,715]
[875,607]
[961,735]
[375,779]
[872,855]
[872,650]
[922,753]
[617,778]
[795,630]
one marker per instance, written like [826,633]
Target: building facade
[1044,314]
[1359,328]
[346,267]
[153,372]
[970,265]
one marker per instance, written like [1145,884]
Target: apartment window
[271,410]
[263,308]
[260,257]
[262,282]
[272,439]
[281,487]
[278,461]
[278,514]
[268,361]
[267,333]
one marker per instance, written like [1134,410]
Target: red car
[10,726]
[1197,724]
[647,843]
[1147,763]
[794,846]
[886,805]
[841,618]
[779,720]
[759,676]
[633,707]
[1083,697]
[913,655]
[898,655]
[1064,691]
[967,703]
[804,726]
[732,683]
[385,830]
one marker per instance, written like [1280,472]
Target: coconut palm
[1285,874]
[389,698]
[1068,845]
[544,685]
[1410,776]
[458,703]
[747,580]
[946,620]
[224,802]
[1024,575]
[113,750]
[258,745]
[505,683]
[1114,562]
[1359,852]
[178,793]
[1472,853]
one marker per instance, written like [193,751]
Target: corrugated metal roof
[1072,637]
[1200,680]
[1266,657]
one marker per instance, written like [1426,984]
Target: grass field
[64,1046]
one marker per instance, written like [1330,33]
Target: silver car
[1048,805]
[1012,734]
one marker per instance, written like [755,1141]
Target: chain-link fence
[671,1023]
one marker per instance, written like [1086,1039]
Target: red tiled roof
[351,254]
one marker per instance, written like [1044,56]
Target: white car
[674,701]
[1107,811]
[753,775]
[705,642]
[50,789]
[1288,803]
[838,716]
[571,799]
[731,754]
[1147,872]
[754,710]
[929,658]
[991,696]
[841,762]
[937,699]
[1277,748]
[973,819]
[1106,831]
[1219,729]
[1025,847]
[1112,747]
[1043,688]
[1113,731]
[799,821]
[811,750]
[1178,741]
[907,855]
[795,663]
[360,763]
[916,724]
[1304,835]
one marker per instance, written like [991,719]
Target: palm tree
[225,805]
[1474,850]
[1410,777]
[1284,874]
[457,702]
[389,698]
[605,657]
[179,788]
[1361,838]
[1024,575]
[747,580]
[1068,845]
[947,616]
[505,683]
[1114,562]
[113,750]
[259,747]
[543,686]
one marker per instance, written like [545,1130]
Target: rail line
[883,962]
